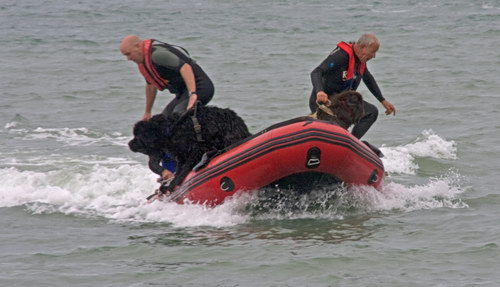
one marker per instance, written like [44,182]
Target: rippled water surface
[72,195]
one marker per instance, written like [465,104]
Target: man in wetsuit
[343,70]
[170,67]
[165,66]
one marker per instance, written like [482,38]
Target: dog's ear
[338,101]
[348,99]
[354,98]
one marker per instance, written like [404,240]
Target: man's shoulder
[339,56]
[161,55]
[338,52]
[159,48]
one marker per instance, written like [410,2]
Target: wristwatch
[192,93]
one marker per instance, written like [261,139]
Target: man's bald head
[131,47]
[367,40]
[366,47]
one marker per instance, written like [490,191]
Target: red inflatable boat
[301,154]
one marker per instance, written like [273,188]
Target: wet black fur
[347,106]
[175,134]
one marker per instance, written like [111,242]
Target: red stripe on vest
[147,70]
[350,69]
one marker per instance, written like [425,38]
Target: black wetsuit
[168,60]
[329,77]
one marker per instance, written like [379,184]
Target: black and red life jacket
[147,70]
[348,48]
[166,79]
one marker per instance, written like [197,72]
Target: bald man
[343,70]
[170,67]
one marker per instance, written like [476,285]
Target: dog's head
[148,137]
[347,108]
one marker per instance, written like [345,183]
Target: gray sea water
[72,209]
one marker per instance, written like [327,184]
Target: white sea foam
[61,160]
[439,192]
[69,136]
[488,6]
[401,159]
[390,11]
[117,194]
[116,188]
[11,125]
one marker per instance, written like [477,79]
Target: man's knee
[371,113]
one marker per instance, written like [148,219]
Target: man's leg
[177,105]
[371,114]
[182,103]
[205,89]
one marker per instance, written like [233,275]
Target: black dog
[188,136]
[345,109]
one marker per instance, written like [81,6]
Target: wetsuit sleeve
[316,77]
[163,57]
[154,165]
[372,85]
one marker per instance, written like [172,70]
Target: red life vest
[147,69]
[352,59]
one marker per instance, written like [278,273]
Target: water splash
[118,194]
[438,192]
[115,190]
[401,159]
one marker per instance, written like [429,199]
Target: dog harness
[196,124]
[325,108]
